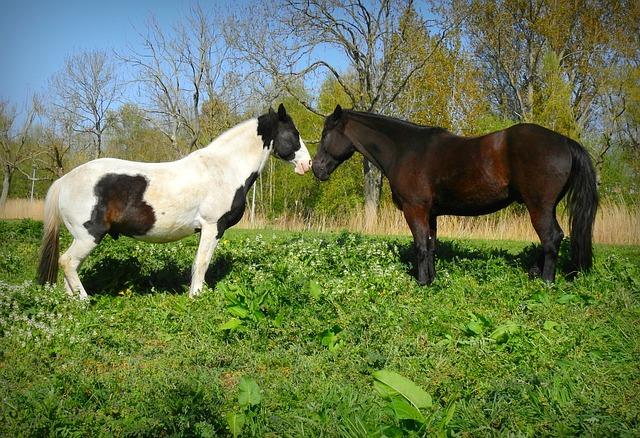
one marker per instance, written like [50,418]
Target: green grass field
[290,339]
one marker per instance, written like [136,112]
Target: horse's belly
[475,203]
[166,235]
[169,230]
[464,209]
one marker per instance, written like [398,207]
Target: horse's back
[477,175]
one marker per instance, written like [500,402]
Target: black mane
[267,125]
[395,122]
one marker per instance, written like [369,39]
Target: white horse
[161,202]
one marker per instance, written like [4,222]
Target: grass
[309,318]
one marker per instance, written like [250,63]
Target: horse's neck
[240,148]
[377,145]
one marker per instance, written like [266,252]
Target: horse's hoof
[534,272]
[82,296]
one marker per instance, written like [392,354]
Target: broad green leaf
[475,327]
[314,289]
[258,314]
[385,391]
[405,410]
[249,392]
[328,339]
[239,311]
[567,298]
[446,341]
[550,325]
[405,387]
[235,421]
[541,297]
[232,324]
[503,332]
[451,410]
[392,432]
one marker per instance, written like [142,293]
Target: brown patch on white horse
[120,207]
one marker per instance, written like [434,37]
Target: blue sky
[37,35]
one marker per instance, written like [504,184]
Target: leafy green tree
[216,116]
[448,92]
[133,137]
[510,40]
[552,99]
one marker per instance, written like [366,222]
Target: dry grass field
[22,209]
[615,224]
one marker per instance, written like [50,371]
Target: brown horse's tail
[50,251]
[583,202]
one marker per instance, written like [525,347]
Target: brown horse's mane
[380,119]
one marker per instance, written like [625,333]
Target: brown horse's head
[335,147]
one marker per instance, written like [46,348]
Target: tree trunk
[372,191]
[6,181]
[98,146]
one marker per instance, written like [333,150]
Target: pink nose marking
[302,167]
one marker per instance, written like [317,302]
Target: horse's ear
[282,113]
[271,111]
[337,113]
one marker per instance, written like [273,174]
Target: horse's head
[279,129]
[335,147]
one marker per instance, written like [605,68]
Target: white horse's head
[279,132]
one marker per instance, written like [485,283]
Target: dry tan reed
[22,209]
[615,224]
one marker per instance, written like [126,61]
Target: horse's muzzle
[302,167]
[320,171]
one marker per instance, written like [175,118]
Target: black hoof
[534,272]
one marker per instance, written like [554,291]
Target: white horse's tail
[50,250]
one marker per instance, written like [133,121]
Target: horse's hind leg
[70,262]
[546,225]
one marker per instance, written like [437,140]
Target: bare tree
[295,44]
[180,70]
[15,148]
[85,89]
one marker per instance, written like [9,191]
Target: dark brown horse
[433,172]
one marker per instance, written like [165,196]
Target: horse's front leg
[431,247]
[208,243]
[416,217]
